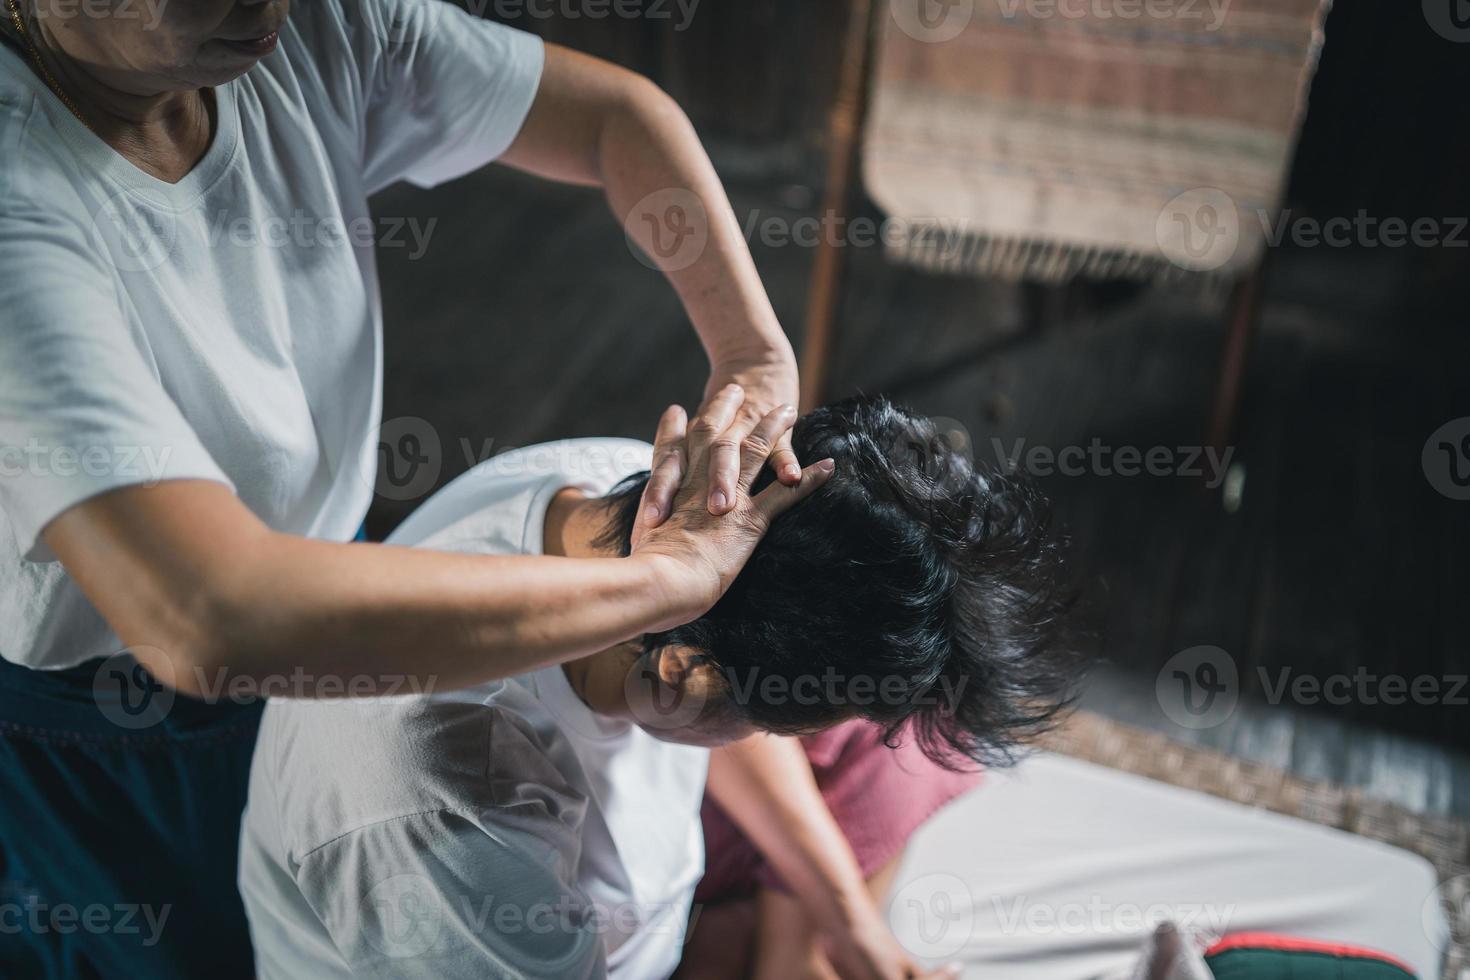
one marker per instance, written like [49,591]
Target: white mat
[1058,869]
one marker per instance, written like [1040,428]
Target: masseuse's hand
[709,550]
[768,382]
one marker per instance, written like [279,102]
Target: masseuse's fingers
[666,472]
[784,462]
[778,498]
[761,443]
[715,438]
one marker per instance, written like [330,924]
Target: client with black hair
[904,624]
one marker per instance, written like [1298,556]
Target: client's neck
[573,524]
[574,521]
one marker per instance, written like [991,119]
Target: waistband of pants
[113,699]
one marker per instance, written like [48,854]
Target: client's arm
[765,784]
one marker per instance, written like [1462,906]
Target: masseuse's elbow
[642,99]
[177,661]
[211,641]
[194,653]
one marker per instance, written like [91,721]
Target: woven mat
[1043,139]
[1444,842]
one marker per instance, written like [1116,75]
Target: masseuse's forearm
[651,161]
[202,591]
[450,619]
[765,784]
[594,123]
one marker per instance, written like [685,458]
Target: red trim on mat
[1292,944]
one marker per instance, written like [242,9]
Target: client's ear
[686,670]
[677,695]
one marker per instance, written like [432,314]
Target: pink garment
[878,795]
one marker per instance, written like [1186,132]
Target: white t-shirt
[227,327]
[499,831]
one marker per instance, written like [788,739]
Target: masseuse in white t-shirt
[186,419]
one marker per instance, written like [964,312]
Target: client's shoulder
[487,508]
[326,769]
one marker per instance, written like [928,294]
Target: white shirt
[500,831]
[227,327]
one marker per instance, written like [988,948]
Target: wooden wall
[756,76]
[1386,128]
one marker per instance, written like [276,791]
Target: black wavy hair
[912,589]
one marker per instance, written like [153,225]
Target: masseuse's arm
[766,786]
[594,123]
[195,584]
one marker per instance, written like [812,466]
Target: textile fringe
[935,248]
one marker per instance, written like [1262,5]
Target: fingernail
[788,410]
[651,513]
[791,472]
[717,500]
[827,465]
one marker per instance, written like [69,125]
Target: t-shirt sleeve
[444,92]
[447,894]
[82,410]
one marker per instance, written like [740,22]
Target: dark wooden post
[844,130]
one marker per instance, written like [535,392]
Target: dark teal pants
[119,832]
[120,807]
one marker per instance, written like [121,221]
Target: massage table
[1059,869]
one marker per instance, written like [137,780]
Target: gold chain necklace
[41,69]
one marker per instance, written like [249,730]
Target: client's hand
[867,950]
[704,552]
